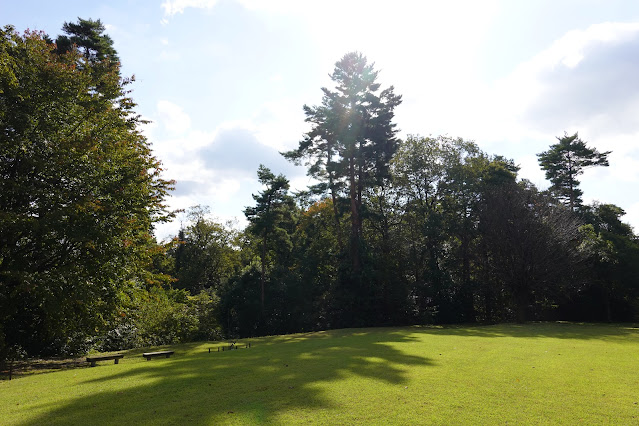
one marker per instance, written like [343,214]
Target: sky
[223,82]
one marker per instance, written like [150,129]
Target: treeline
[417,231]
[424,230]
[450,237]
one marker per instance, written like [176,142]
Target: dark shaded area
[554,330]
[275,374]
[31,366]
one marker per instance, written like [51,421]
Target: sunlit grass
[536,374]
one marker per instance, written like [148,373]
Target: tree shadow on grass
[246,385]
[556,330]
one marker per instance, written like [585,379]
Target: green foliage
[162,317]
[242,313]
[317,261]
[271,222]
[206,253]
[388,291]
[529,247]
[79,194]
[439,181]
[612,255]
[273,211]
[564,162]
[450,236]
[88,36]
[205,306]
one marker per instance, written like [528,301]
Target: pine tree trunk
[331,185]
[521,306]
[355,221]
[606,297]
[338,229]
[263,273]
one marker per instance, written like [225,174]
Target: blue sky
[224,81]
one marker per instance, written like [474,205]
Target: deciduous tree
[530,245]
[80,192]
[206,253]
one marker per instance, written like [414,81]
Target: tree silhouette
[564,162]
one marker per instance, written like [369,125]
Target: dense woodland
[425,230]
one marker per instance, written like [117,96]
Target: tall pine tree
[351,141]
[564,162]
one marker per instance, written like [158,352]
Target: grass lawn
[550,373]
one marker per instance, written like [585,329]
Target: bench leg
[116,360]
[92,363]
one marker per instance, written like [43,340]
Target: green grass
[523,374]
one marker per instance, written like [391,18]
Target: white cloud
[585,81]
[301,183]
[173,7]
[575,80]
[280,123]
[172,117]
[529,169]
[148,128]
[218,167]
[624,168]
[632,216]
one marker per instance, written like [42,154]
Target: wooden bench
[149,355]
[94,359]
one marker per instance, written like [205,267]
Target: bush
[163,317]
[205,306]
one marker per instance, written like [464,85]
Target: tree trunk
[331,185]
[571,183]
[606,298]
[469,308]
[355,221]
[521,306]
[263,272]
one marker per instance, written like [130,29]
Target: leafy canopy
[80,192]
